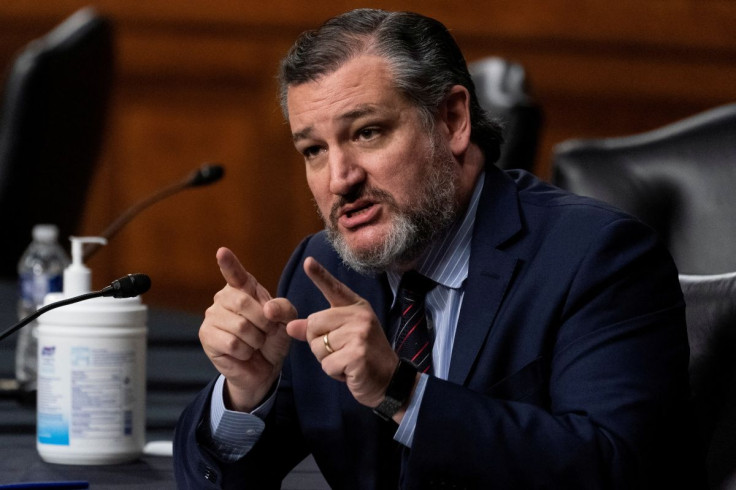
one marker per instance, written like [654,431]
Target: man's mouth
[358,214]
[358,210]
[363,207]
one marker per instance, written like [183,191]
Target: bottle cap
[45,233]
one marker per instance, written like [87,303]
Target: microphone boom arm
[92,248]
[124,287]
[205,175]
[25,321]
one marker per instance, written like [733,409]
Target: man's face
[382,184]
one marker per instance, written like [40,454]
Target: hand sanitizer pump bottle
[91,374]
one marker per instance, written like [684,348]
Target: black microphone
[208,173]
[125,287]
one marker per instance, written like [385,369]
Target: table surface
[176,370]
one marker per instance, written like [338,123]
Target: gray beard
[413,228]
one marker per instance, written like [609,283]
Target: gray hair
[425,60]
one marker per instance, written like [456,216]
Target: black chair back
[52,120]
[711,330]
[679,179]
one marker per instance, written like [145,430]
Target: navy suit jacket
[569,368]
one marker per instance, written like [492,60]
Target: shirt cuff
[405,432]
[234,433]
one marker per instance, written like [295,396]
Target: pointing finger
[335,292]
[234,272]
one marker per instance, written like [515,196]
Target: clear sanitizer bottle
[40,272]
[91,374]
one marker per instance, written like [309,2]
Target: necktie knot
[415,285]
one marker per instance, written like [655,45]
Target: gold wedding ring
[327,343]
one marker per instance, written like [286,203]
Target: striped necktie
[412,340]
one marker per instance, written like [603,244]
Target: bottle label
[91,393]
[34,288]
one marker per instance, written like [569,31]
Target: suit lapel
[490,270]
[483,295]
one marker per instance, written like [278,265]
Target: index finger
[334,291]
[234,272]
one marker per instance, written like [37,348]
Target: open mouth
[359,210]
[359,214]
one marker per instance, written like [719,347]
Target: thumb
[297,329]
[279,310]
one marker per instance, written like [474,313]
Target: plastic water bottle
[40,271]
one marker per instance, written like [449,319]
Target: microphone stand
[125,287]
[205,175]
[25,321]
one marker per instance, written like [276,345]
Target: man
[556,324]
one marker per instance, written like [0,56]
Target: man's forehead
[359,74]
[360,88]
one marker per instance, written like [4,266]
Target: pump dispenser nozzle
[78,277]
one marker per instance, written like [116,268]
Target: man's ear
[455,116]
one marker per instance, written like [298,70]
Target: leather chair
[679,179]
[54,106]
[711,329]
[502,87]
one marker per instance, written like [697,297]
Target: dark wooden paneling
[195,83]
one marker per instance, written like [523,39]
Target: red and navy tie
[412,340]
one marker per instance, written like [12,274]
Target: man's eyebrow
[359,112]
[351,115]
[303,134]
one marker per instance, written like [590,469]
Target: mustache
[366,192]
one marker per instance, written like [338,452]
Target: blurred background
[194,82]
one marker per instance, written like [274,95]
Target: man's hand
[243,334]
[362,356]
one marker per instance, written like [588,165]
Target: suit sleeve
[600,408]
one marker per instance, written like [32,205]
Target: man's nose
[346,172]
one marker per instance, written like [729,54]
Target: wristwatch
[398,391]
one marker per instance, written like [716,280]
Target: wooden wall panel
[195,83]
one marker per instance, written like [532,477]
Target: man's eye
[311,151]
[368,133]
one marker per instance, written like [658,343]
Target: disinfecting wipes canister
[92,381]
